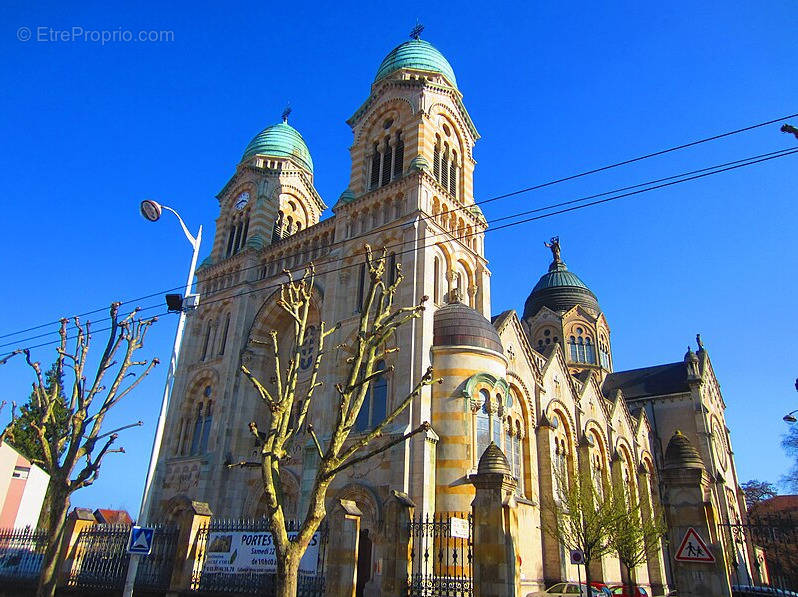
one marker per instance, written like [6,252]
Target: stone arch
[442,110]
[255,505]
[379,112]
[365,498]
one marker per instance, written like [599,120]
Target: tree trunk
[44,513]
[48,578]
[287,575]
[587,577]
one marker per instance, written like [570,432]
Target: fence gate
[101,559]
[441,553]
[777,535]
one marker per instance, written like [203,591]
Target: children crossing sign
[693,549]
[140,541]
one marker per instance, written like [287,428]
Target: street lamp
[152,210]
[790,416]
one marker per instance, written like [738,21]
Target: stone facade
[541,387]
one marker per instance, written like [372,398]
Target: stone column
[654,560]
[342,549]
[688,504]
[76,521]
[190,521]
[496,569]
[396,568]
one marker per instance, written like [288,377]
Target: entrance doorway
[363,562]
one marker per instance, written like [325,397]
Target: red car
[627,591]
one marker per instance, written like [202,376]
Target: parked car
[569,589]
[627,591]
[603,588]
[748,591]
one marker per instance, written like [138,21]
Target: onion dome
[346,197]
[680,453]
[493,461]
[457,324]
[559,289]
[416,54]
[280,140]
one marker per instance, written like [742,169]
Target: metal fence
[777,535]
[237,556]
[21,554]
[101,559]
[442,554]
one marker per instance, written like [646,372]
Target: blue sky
[89,129]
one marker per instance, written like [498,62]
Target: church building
[542,384]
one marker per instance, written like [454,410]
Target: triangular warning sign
[693,549]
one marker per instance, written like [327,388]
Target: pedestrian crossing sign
[140,541]
[693,549]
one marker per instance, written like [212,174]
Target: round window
[547,333]
[387,124]
[446,130]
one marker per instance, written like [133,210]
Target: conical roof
[680,453]
[493,460]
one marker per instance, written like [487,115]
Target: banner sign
[246,552]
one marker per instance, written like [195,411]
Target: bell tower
[271,195]
[413,152]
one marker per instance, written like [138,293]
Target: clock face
[242,200]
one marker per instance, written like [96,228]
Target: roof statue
[415,33]
[286,113]
[700,342]
[554,245]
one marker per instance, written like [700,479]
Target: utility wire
[608,196]
[482,202]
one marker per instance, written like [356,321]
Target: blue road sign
[140,541]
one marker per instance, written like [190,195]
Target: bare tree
[289,407]
[87,399]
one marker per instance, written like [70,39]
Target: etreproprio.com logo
[77,34]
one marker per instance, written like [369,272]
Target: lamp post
[151,210]
[790,416]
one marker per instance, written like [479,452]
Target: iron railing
[441,554]
[777,535]
[101,559]
[21,554]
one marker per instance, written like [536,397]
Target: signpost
[140,541]
[578,558]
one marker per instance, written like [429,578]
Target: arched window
[436,284]
[515,452]
[392,268]
[226,328]
[375,168]
[206,341]
[361,285]
[581,347]
[483,425]
[398,156]
[375,404]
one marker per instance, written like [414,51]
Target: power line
[608,196]
[482,202]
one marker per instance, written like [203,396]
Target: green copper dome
[419,55]
[280,140]
[559,290]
